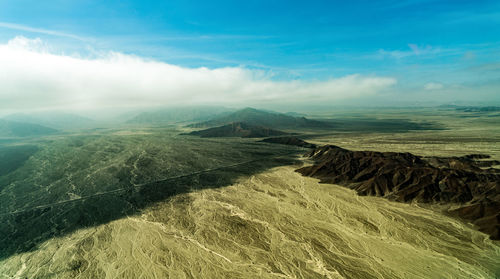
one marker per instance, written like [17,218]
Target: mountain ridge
[20,129]
[257,117]
[55,120]
[238,129]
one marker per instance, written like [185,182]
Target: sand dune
[276,224]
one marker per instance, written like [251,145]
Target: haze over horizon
[82,55]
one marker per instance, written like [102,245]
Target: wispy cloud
[40,31]
[433,86]
[486,67]
[200,37]
[402,4]
[413,50]
[490,17]
[31,77]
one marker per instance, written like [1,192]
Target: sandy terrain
[277,224]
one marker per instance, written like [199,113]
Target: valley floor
[276,224]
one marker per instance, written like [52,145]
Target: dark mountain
[176,115]
[263,118]
[20,129]
[289,140]
[56,120]
[238,129]
[405,177]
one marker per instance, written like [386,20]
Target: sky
[86,54]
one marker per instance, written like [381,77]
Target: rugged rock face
[405,177]
[290,141]
[238,129]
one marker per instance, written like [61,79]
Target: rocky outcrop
[405,177]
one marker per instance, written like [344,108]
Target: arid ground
[150,203]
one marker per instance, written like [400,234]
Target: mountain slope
[20,129]
[256,117]
[13,157]
[238,129]
[56,120]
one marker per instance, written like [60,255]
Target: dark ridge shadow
[25,231]
[12,157]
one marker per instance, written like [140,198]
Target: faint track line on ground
[44,206]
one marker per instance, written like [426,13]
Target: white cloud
[32,77]
[21,43]
[433,86]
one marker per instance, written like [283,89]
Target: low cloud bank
[33,77]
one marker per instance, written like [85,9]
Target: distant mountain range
[55,120]
[238,129]
[177,115]
[255,117]
[19,129]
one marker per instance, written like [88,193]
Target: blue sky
[423,44]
